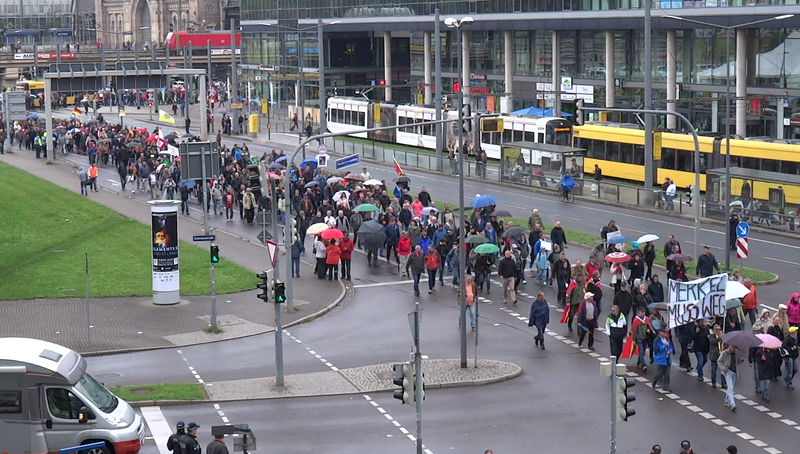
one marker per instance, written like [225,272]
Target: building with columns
[517,51]
[141,21]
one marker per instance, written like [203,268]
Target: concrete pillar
[741,82]
[387,65]
[610,90]
[672,78]
[556,76]
[465,67]
[507,102]
[297,95]
[714,112]
[428,68]
[779,123]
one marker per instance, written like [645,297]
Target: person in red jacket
[332,260]
[346,246]
[432,263]
[404,251]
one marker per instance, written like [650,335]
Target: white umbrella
[735,290]
[372,182]
[317,228]
[427,211]
[338,195]
[647,238]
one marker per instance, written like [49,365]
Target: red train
[199,40]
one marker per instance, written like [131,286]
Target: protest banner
[700,298]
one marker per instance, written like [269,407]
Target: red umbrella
[617,257]
[152,138]
[332,234]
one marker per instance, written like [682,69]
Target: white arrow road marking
[113,183]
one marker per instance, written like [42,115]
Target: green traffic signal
[214,253]
[280,292]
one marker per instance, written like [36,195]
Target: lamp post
[457,25]
[729,29]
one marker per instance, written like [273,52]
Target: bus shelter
[541,164]
[770,198]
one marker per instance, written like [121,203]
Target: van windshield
[97,394]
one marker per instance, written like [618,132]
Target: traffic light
[280,292]
[214,253]
[262,176]
[579,112]
[294,235]
[404,378]
[624,397]
[466,124]
[267,285]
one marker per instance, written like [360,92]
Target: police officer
[174,444]
[188,440]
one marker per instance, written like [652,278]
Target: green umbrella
[477,239]
[368,207]
[487,249]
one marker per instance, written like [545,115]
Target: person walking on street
[507,269]
[403,251]
[432,263]
[84,177]
[187,123]
[296,252]
[174,443]
[332,256]
[469,300]
[539,317]
[750,301]
[715,349]
[587,319]
[767,362]
[684,334]
[701,346]
[217,446]
[706,263]
[346,246]
[662,356]
[416,264]
[249,202]
[558,236]
[728,362]
[320,254]
[93,176]
[642,331]
[790,346]
[616,328]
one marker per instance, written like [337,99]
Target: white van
[48,402]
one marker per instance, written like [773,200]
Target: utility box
[191,165]
[243,438]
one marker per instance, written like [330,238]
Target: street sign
[348,161]
[204,238]
[16,109]
[272,251]
[264,236]
[743,230]
[742,248]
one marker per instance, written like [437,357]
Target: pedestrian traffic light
[579,112]
[404,378]
[624,397]
[466,123]
[266,285]
[293,234]
[280,292]
[214,253]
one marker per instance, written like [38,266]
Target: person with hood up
[623,299]
[587,319]
[790,350]
[656,290]
[793,310]
[84,177]
[539,317]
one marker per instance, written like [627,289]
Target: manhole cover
[108,375]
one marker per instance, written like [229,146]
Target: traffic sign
[742,230]
[272,251]
[348,161]
[264,236]
[742,248]
[204,238]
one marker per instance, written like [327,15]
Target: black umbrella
[371,234]
[513,232]
[679,258]
[171,137]
[742,339]
[311,184]
[500,214]
[403,179]
[134,144]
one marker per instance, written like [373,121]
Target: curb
[461,384]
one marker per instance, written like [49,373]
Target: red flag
[565,317]
[631,348]
[397,168]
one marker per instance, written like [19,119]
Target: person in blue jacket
[662,356]
[424,242]
[567,182]
[540,317]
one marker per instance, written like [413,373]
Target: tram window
[638,154]
[770,165]
[428,130]
[540,137]
[362,119]
[668,158]
[685,161]
[612,151]
[517,136]
[626,153]
[750,163]
[790,167]
[507,135]
[529,136]
[486,137]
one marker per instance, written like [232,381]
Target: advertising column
[164,244]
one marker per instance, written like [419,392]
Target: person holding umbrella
[767,362]
[728,362]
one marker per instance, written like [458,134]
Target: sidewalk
[439,373]
[125,324]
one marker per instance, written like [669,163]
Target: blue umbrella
[310,161]
[222,112]
[276,165]
[528,111]
[281,158]
[549,113]
[618,240]
[33,117]
[190,184]
[483,201]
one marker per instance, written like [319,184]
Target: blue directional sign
[204,238]
[348,161]
[742,230]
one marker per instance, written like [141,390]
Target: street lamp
[729,29]
[451,22]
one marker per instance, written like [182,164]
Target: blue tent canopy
[549,113]
[528,111]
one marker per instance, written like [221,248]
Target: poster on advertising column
[166,276]
[693,300]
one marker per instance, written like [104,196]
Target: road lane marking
[159,427]
[782,261]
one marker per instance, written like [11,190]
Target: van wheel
[104,450]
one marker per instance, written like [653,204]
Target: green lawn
[166,391]
[579,237]
[45,231]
